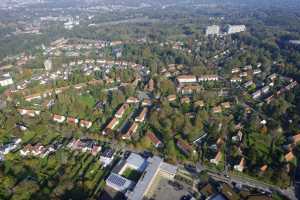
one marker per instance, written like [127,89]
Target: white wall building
[212,30]
[48,64]
[232,29]
[6,81]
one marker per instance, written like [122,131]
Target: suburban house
[72,120]
[34,150]
[85,145]
[171,97]
[225,105]
[296,138]
[235,70]
[121,111]
[30,113]
[264,168]
[85,124]
[131,131]
[154,140]
[240,167]
[217,158]
[58,118]
[184,100]
[132,100]
[106,157]
[199,103]
[217,109]
[142,115]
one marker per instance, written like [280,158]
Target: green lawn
[88,100]
[131,174]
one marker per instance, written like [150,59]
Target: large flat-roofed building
[232,29]
[186,79]
[134,161]
[212,30]
[156,167]
[5,81]
[118,182]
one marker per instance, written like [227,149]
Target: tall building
[232,29]
[48,64]
[212,30]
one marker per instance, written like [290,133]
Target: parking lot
[163,189]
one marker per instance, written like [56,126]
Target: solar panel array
[117,180]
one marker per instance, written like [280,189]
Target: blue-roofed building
[155,167]
[118,182]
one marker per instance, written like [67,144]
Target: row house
[189,89]
[146,102]
[289,156]
[85,124]
[208,78]
[184,147]
[256,94]
[150,86]
[257,71]
[142,115]
[132,100]
[121,111]
[33,97]
[216,160]
[235,80]
[111,126]
[235,70]
[240,167]
[171,97]
[154,140]
[186,79]
[131,131]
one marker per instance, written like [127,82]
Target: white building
[186,79]
[135,162]
[5,81]
[48,64]
[212,30]
[232,29]
[240,167]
